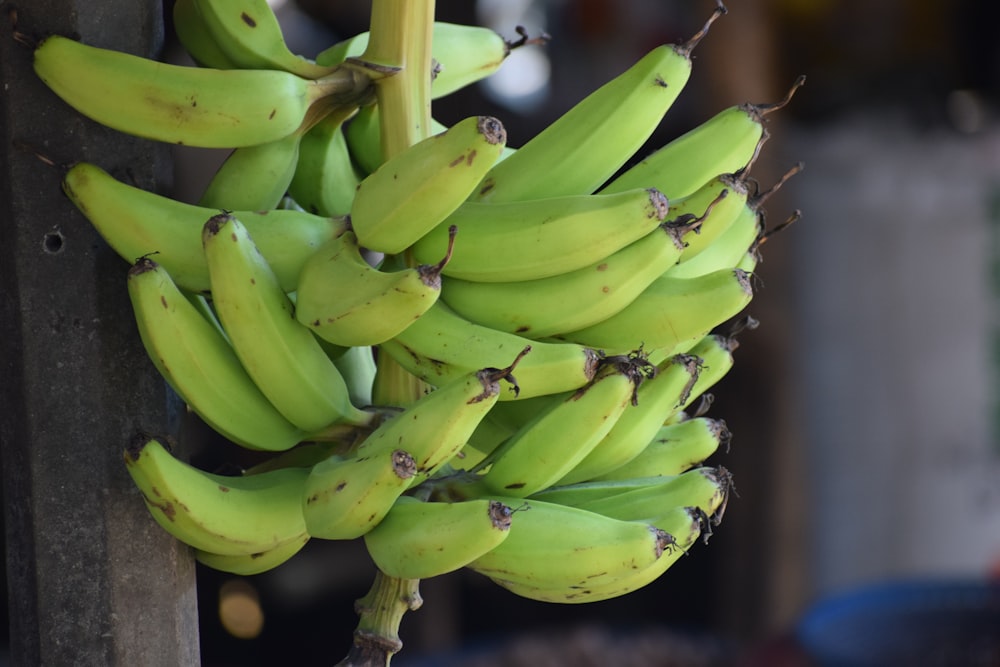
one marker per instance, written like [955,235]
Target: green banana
[249,34]
[414,190]
[726,143]
[363,138]
[716,205]
[254,178]
[585,146]
[325,178]
[250,564]
[419,540]
[726,250]
[346,301]
[715,352]
[552,545]
[683,524]
[669,312]
[357,366]
[706,488]
[196,359]
[550,445]
[136,223]
[657,399]
[572,300]
[185,105]
[675,448]
[280,354]
[441,346]
[225,515]
[196,39]
[541,238]
[344,498]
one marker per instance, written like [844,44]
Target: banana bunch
[560,314]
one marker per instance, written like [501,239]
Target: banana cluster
[564,312]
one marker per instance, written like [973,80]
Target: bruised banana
[414,190]
[540,238]
[675,448]
[419,540]
[225,515]
[346,301]
[547,447]
[185,105]
[255,563]
[195,358]
[441,346]
[585,146]
[280,354]
[136,223]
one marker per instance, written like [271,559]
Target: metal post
[92,580]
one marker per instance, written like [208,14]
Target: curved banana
[683,524]
[656,400]
[669,312]
[540,238]
[414,190]
[195,358]
[344,498]
[363,137]
[715,354]
[280,354]
[675,448]
[419,540]
[184,105]
[357,366]
[557,546]
[550,445]
[572,300]
[250,564]
[195,37]
[136,223]
[726,250]
[585,146]
[224,515]
[715,206]
[249,33]
[706,488]
[325,178]
[441,346]
[346,301]
[254,178]
[726,143]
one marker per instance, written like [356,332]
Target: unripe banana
[556,546]
[542,237]
[250,564]
[224,515]
[726,143]
[346,301]
[716,204]
[325,178]
[419,540]
[715,352]
[669,312]
[357,366]
[580,150]
[417,188]
[254,178]
[184,105]
[675,448]
[194,36]
[344,498]
[280,354]
[442,346]
[706,488]
[195,358]
[136,223]
[726,251]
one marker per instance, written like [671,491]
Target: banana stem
[376,639]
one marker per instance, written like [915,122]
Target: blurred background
[864,408]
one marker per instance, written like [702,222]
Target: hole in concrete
[53,243]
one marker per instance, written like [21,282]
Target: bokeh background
[864,407]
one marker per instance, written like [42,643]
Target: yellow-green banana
[419,540]
[280,354]
[441,346]
[344,498]
[715,354]
[225,515]
[250,564]
[196,38]
[540,238]
[675,448]
[196,359]
[547,447]
[581,149]
[414,190]
[725,251]
[558,546]
[357,366]
[706,488]
[346,301]
[325,178]
[715,205]
[184,105]
[136,223]
[253,178]
[669,312]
